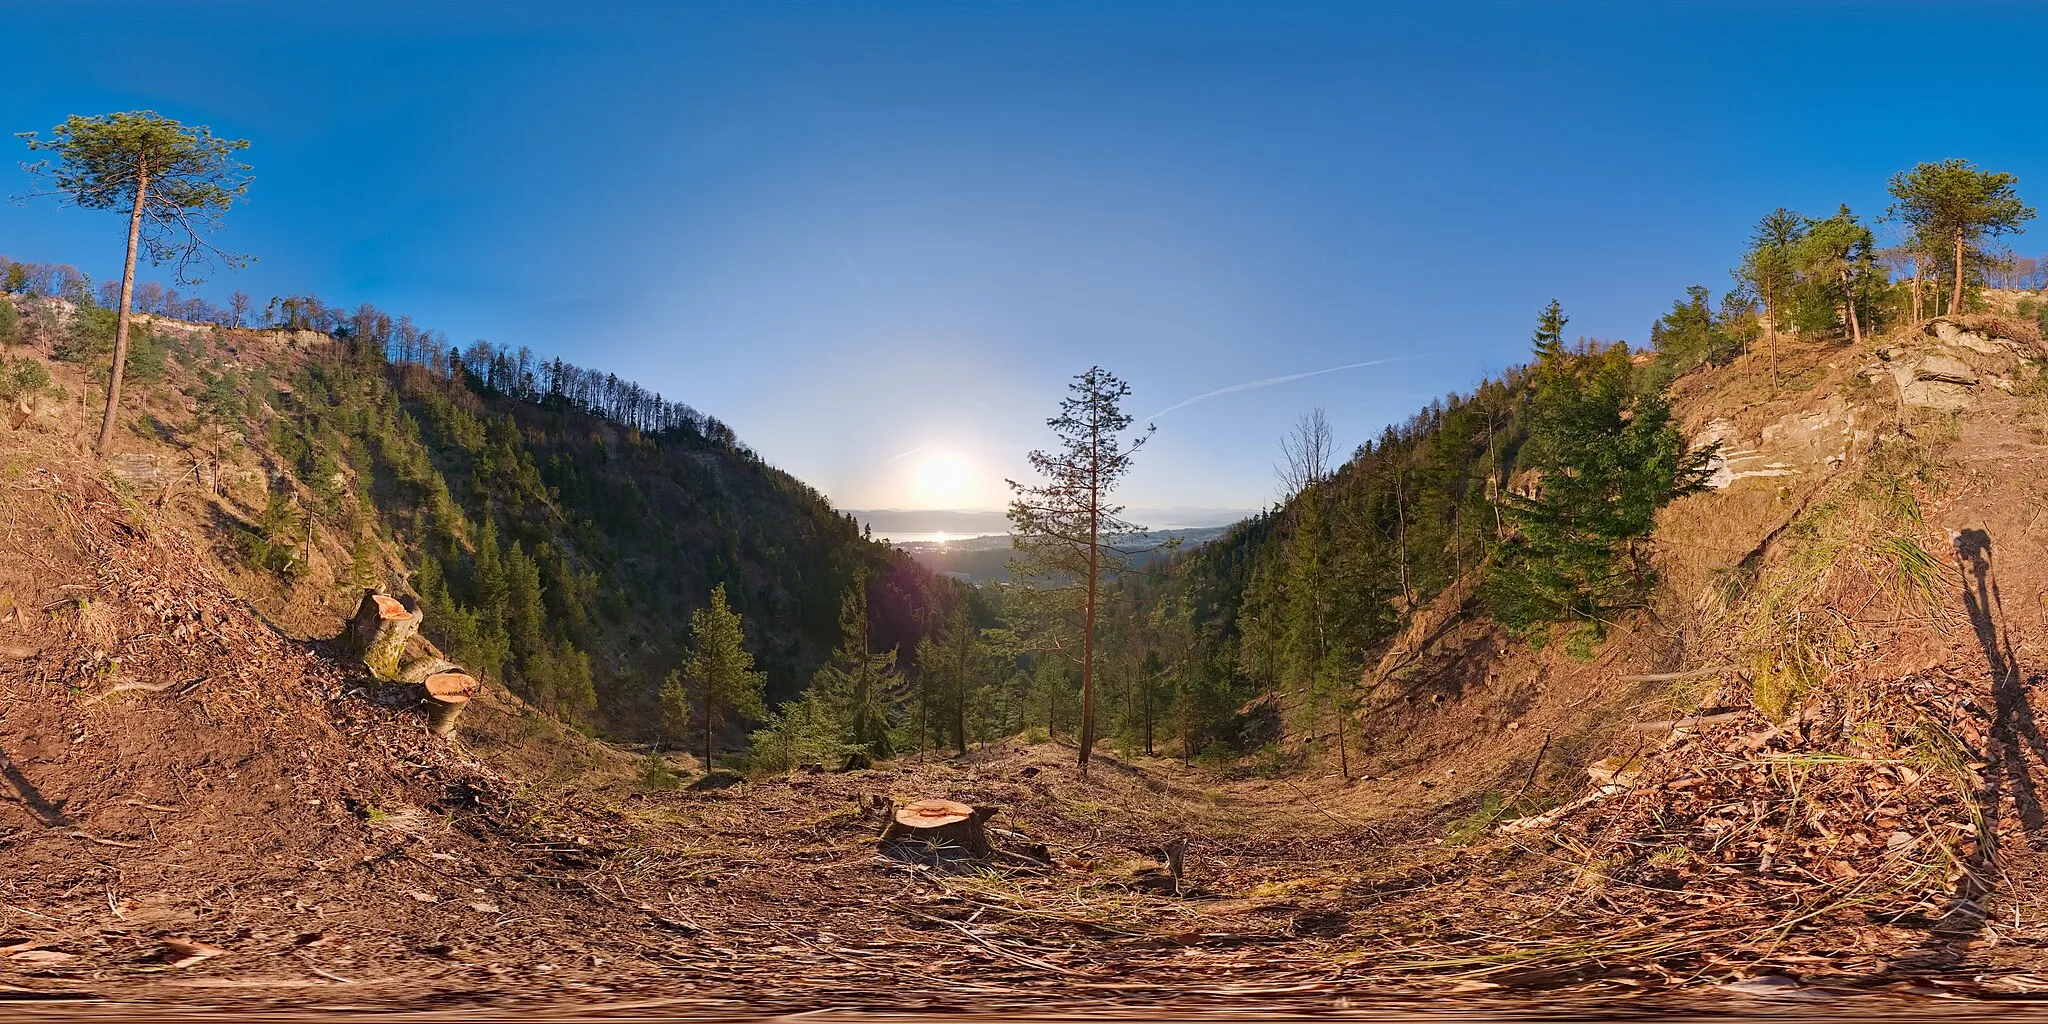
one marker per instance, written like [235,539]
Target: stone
[137,470]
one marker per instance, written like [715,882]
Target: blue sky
[856,231]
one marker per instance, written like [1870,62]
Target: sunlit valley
[1553,642]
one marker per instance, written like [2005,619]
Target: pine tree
[1837,273]
[1062,528]
[1951,208]
[172,181]
[720,669]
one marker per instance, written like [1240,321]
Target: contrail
[913,451]
[850,265]
[1270,381]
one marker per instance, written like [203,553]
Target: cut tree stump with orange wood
[381,627]
[947,829]
[447,692]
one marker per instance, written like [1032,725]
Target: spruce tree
[1606,460]
[854,683]
[720,669]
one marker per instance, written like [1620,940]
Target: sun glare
[943,479]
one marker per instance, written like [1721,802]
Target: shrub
[22,377]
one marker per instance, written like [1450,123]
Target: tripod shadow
[50,813]
[2014,728]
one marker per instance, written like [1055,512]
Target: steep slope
[557,550]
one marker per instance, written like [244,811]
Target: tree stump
[447,692]
[380,629]
[945,830]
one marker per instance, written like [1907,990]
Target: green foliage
[655,773]
[1693,334]
[10,323]
[1769,265]
[673,709]
[185,178]
[273,544]
[1061,527]
[90,337]
[1951,207]
[21,378]
[805,731]
[720,670]
[1606,460]
[364,570]
[1549,336]
[851,691]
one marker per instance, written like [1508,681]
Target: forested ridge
[558,524]
[561,526]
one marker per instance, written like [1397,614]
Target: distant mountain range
[891,522]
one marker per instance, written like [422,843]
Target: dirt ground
[203,812]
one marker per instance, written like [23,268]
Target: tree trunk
[942,829]
[1149,684]
[1401,534]
[960,688]
[707,725]
[380,630]
[1849,299]
[121,316]
[1343,754]
[1088,618]
[1187,734]
[1955,302]
[1919,304]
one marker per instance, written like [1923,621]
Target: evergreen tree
[1837,272]
[1951,207]
[1063,528]
[853,685]
[1606,460]
[673,715]
[1769,267]
[720,669]
[172,181]
[1549,336]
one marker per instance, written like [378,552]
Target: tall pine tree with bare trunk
[1951,207]
[173,182]
[1063,529]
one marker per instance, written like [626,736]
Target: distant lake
[938,537]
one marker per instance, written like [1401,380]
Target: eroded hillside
[1811,766]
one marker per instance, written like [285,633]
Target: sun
[943,479]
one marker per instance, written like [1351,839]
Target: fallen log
[380,629]
[945,829]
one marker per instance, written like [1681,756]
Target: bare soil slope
[1842,799]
